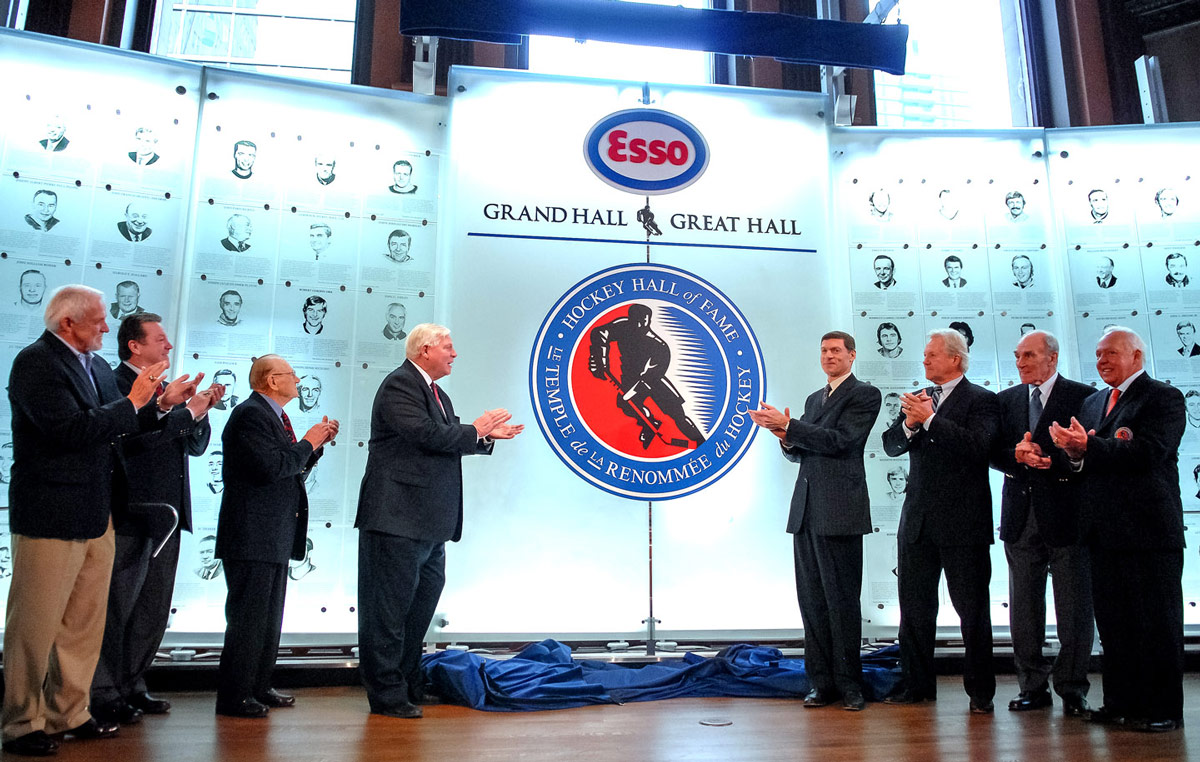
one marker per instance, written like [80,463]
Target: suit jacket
[123,226]
[133,157]
[390,336]
[157,460]
[961,282]
[413,483]
[828,442]
[948,501]
[61,145]
[114,309]
[231,245]
[67,472]
[1051,494]
[264,508]
[1131,470]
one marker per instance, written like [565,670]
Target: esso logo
[646,152]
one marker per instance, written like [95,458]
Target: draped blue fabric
[544,676]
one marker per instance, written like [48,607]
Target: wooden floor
[333,724]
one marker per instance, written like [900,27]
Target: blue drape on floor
[544,676]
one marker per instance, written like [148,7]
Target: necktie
[287,426]
[1035,407]
[137,237]
[438,397]
[936,395]
[87,366]
[828,391]
[1112,400]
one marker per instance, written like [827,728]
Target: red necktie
[287,426]
[1112,401]
[438,397]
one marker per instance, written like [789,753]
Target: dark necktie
[1035,407]
[936,396]
[137,237]
[87,366]
[828,391]
[438,398]
[1112,400]
[287,426]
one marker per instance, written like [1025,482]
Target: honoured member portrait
[887,335]
[216,460]
[948,205]
[1104,273]
[32,291]
[145,150]
[1186,331]
[897,484]
[965,331]
[398,244]
[1177,276]
[324,164]
[393,328]
[239,230]
[1192,400]
[136,225]
[227,378]
[41,214]
[210,565]
[879,205]
[310,393]
[6,461]
[1022,270]
[402,178]
[319,236]
[129,294]
[314,310]
[231,308]
[299,569]
[891,407]
[885,272]
[244,154]
[954,278]
[1015,202]
[1167,201]
[56,135]
[1098,205]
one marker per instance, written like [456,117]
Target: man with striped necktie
[946,522]
[1125,445]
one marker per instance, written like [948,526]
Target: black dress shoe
[117,711]
[1155,726]
[149,704]
[405,711]
[1075,706]
[276,700]
[245,708]
[1030,700]
[817,697]
[853,701]
[1105,716]
[94,729]
[982,706]
[908,697]
[35,744]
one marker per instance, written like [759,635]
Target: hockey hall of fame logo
[642,377]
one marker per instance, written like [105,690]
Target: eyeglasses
[291,373]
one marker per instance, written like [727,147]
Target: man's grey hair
[430,334]
[956,345]
[1130,335]
[1049,338]
[71,301]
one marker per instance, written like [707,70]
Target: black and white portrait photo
[129,293]
[6,461]
[314,310]
[880,205]
[244,154]
[145,150]
[56,135]
[1191,399]
[309,387]
[298,570]
[398,245]
[216,482]
[1167,201]
[1015,201]
[888,338]
[324,164]
[402,178]
[210,565]
[393,328]
[1104,273]
[948,207]
[41,214]
[32,292]
[319,235]
[1177,276]
[965,330]
[885,272]
[227,378]
[891,408]
[231,308]
[136,225]
[239,229]
[1186,331]
[1098,205]
[954,266]
[1022,270]
[897,484]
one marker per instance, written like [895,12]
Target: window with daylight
[313,39]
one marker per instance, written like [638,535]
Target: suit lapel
[948,404]
[87,392]
[836,399]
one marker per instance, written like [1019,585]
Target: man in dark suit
[1125,445]
[946,521]
[135,227]
[139,598]
[1039,524]
[41,214]
[239,230]
[409,505]
[263,522]
[129,293]
[145,153]
[67,478]
[393,330]
[56,138]
[829,515]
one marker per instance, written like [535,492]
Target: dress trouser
[829,588]
[139,607]
[968,571]
[253,621]
[1029,561]
[52,631]
[399,583]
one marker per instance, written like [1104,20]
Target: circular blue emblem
[642,377]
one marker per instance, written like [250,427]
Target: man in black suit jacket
[830,513]
[1125,445]
[67,481]
[409,505]
[263,522]
[139,598]
[1039,524]
[946,521]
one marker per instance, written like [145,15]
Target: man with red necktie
[263,522]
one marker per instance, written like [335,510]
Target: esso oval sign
[644,151]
